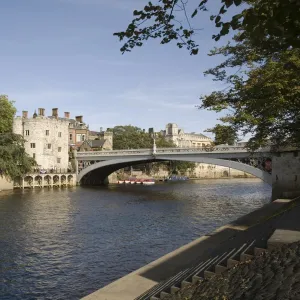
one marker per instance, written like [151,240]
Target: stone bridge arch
[98,172]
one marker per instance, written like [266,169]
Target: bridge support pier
[286,175]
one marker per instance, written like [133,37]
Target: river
[67,243]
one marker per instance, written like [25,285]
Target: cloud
[171,95]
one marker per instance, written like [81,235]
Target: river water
[67,243]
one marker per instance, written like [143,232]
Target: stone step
[209,274]
[220,269]
[196,278]
[232,262]
[245,257]
[164,295]
[174,289]
[282,237]
[259,251]
[185,283]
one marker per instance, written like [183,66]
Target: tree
[261,66]
[130,137]
[7,113]
[265,102]
[224,134]
[270,25]
[162,142]
[14,161]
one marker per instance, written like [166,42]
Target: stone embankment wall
[213,171]
[5,184]
[286,175]
[202,171]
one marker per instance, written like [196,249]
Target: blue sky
[61,53]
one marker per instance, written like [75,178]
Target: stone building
[46,138]
[185,140]
[102,140]
[78,130]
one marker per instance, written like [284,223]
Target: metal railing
[218,149]
[52,171]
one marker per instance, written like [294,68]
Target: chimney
[25,114]
[55,112]
[41,111]
[78,119]
[67,115]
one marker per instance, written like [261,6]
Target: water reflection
[64,244]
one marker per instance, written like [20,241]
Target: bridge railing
[220,149]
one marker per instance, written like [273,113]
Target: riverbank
[258,225]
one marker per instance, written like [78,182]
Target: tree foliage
[7,113]
[224,134]
[265,102]
[14,161]
[271,25]
[261,67]
[132,137]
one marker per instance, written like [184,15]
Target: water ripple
[65,244]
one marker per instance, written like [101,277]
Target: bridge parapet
[217,149]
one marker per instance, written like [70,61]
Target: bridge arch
[105,168]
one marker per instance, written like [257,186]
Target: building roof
[94,132]
[95,143]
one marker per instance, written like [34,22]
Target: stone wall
[5,184]
[212,171]
[286,175]
[201,171]
[46,140]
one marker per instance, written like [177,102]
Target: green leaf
[194,13]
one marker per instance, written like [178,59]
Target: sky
[62,53]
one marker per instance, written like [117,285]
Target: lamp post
[154,143]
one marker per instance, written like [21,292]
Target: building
[185,140]
[78,130]
[46,138]
[102,140]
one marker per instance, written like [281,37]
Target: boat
[148,182]
[126,181]
[120,181]
[177,178]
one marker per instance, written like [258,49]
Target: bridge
[93,167]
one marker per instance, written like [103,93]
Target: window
[59,149]
[59,134]
[58,160]
[33,155]
[71,138]
[47,132]
[27,132]
[49,146]
[32,145]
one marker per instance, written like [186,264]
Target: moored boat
[120,181]
[148,182]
